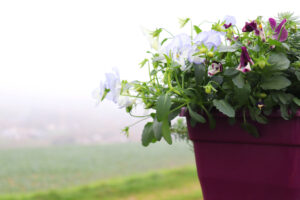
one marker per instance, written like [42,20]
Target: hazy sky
[55,50]
[62,47]
[53,53]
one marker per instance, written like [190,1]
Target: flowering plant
[253,71]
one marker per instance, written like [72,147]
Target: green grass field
[108,171]
[176,184]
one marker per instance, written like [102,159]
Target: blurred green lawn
[176,184]
[30,173]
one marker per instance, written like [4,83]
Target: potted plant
[240,93]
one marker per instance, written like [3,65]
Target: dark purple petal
[281,33]
[217,66]
[260,104]
[249,27]
[214,68]
[283,36]
[245,58]
[227,25]
[278,28]
[272,23]
[245,61]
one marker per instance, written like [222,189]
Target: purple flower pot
[233,165]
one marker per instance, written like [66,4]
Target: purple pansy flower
[226,26]
[245,61]
[260,104]
[229,21]
[258,29]
[280,33]
[249,27]
[214,68]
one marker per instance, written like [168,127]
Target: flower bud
[203,50]
[210,54]
[207,89]
[262,95]
[261,64]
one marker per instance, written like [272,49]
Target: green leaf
[286,46]
[157,129]
[224,107]
[256,48]
[166,132]
[197,29]
[156,32]
[163,107]
[285,98]
[164,40]
[241,95]
[274,42]
[279,61]
[252,130]
[275,83]
[197,117]
[193,122]
[297,75]
[106,91]
[296,101]
[218,79]
[212,121]
[231,121]
[183,22]
[230,71]
[200,74]
[239,80]
[174,114]
[232,48]
[256,115]
[126,131]
[142,64]
[148,134]
[284,112]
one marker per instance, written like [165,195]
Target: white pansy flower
[125,101]
[112,83]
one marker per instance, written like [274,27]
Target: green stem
[153,98]
[178,107]
[244,116]
[182,82]
[138,115]
[168,32]
[138,122]
[170,84]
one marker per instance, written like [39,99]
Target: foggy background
[53,55]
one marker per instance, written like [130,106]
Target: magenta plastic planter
[232,165]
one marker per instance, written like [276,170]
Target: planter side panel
[248,171]
[233,165]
